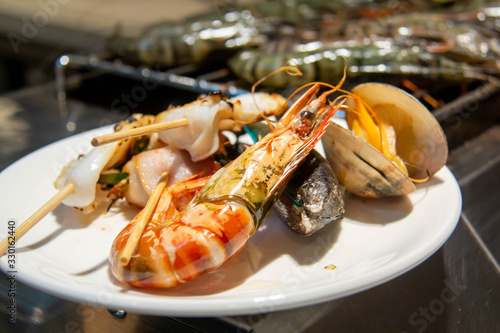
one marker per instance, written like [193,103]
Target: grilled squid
[84,172]
[200,138]
[207,115]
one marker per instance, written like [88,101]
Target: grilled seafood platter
[393,142]
[197,212]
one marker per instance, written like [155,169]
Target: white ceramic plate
[66,253]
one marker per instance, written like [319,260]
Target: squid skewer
[144,130]
[77,181]
[84,172]
[206,112]
[111,156]
[195,126]
[229,208]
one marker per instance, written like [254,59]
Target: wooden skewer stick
[37,216]
[143,130]
[136,235]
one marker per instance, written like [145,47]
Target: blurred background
[67,66]
[36,33]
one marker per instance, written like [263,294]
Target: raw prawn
[189,41]
[229,208]
[383,59]
[214,36]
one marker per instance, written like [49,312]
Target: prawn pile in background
[453,40]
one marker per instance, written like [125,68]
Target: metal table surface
[456,290]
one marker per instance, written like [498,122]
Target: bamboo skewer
[143,130]
[134,238]
[37,216]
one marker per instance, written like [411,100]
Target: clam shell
[362,169]
[420,142]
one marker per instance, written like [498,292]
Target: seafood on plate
[207,115]
[86,171]
[393,142]
[144,170]
[229,208]
[313,197]
[200,137]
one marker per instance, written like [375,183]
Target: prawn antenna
[290,68]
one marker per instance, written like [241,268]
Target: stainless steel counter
[456,290]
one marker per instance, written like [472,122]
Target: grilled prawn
[313,197]
[229,208]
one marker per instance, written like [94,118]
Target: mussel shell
[312,198]
[362,169]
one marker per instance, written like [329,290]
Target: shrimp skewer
[229,208]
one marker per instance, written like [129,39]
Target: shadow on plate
[71,219]
[386,210]
[377,211]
